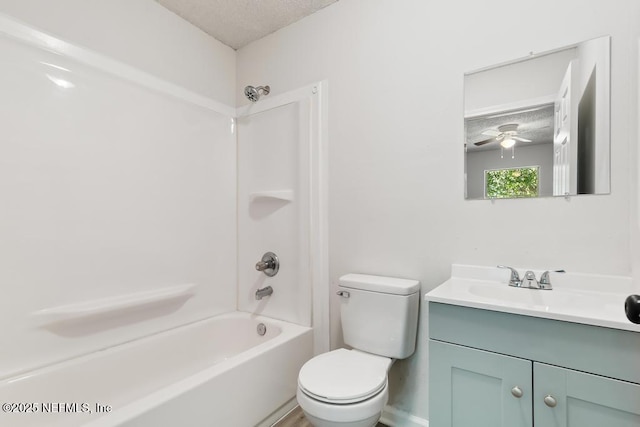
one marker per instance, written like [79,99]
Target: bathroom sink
[579,298]
[557,299]
[529,297]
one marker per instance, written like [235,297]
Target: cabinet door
[475,388]
[576,399]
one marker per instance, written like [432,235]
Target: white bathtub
[215,372]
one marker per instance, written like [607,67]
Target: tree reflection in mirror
[511,183]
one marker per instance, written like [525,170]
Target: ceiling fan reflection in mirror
[506,135]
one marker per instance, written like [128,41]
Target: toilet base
[318,422]
[361,414]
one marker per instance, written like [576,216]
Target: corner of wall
[148,37]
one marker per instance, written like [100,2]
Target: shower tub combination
[214,372]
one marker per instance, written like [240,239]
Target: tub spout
[264,292]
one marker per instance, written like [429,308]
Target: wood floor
[296,418]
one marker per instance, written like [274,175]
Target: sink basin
[525,296]
[559,299]
[594,300]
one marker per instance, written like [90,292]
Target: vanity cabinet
[474,388]
[583,400]
[494,369]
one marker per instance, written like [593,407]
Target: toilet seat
[344,376]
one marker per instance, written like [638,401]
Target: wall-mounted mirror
[539,126]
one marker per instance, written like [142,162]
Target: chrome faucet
[264,292]
[269,264]
[529,281]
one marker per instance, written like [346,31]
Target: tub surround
[111,198]
[111,228]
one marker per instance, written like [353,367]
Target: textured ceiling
[239,22]
[535,124]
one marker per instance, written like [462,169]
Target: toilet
[349,388]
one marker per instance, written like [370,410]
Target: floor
[296,418]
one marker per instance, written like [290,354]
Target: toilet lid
[344,376]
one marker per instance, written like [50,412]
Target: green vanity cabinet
[494,369]
[583,400]
[478,388]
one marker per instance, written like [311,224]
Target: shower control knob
[269,264]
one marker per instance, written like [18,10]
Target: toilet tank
[380,314]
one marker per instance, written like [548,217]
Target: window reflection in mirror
[512,183]
[550,110]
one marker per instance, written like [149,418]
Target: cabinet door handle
[517,392]
[550,401]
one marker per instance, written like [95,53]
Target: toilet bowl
[346,388]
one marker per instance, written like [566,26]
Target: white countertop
[580,298]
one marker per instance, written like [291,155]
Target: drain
[262,329]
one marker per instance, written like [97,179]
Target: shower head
[253,93]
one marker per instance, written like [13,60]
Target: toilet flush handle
[343,294]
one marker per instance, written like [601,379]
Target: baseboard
[279,413]
[396,418]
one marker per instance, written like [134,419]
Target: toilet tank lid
[387,285]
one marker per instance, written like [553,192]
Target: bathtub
[215,372]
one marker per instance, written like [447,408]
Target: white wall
[395,73]
[532,155]
[140,33]
[111,187]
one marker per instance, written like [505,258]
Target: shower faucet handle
[269,264]
[262,266]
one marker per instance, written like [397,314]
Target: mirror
[539,126]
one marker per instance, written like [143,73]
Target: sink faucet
[529,281]
[264,292]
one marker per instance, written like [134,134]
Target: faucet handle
[545,279]
[269,264]
[514,280]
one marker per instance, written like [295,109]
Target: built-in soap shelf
[283,195]
[112,305]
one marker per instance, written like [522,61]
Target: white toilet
[348,388]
